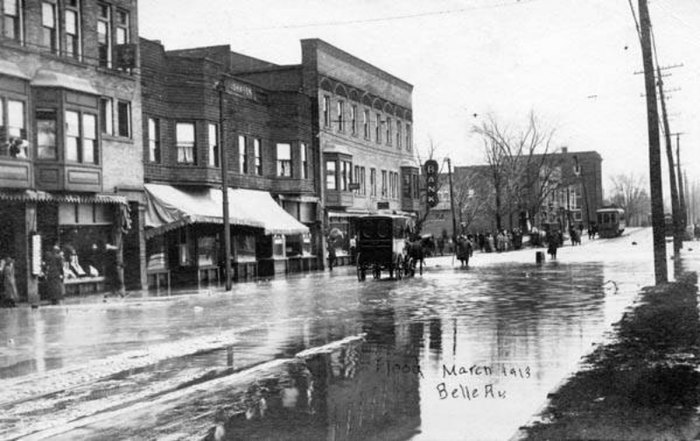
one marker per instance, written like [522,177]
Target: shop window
[184,141]
[72,29]
[406,187]
[49,27]
[294,245]
[258,157]
[304,161]
[277,246]
[284,160]
[244,248]
[330,176]
[104,35]
[306,244]
[207,251]
[156,252]
[213,145]
[124,118]
[13,142]
[185,252]
[13,26]
[106,116]
[46,134]
[153,140]
[242,155]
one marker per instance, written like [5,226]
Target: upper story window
[389,131]
[122,30]
[409,146]
[326,111]
[106,115]
[378,129]
[365,123]
[331,175]
[213,145]
[124,118]
[341,114]
[49,26]
[104,35]
[284,160]
[13,142]
[13,20]
[304,161]
[153,140]
[384,184]
[353,120]
[242,156]
[258,157]
[399,135]
[360,179]
[345,175]
[46,134]
[81,137]
[373,181]
[72,29]
[185,142]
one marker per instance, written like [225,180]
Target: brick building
[268,148]
[574,194]
[70,140]
[362,121]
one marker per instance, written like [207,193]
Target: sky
[571,62]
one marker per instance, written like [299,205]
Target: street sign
[431,181]
[354,186]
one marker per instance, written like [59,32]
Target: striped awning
[42,196]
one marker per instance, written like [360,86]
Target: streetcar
[381,242]
[611,222]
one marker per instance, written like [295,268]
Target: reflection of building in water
[356,389]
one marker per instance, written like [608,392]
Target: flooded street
[452,355]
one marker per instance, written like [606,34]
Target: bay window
[46,134]
[13,135]
[185,142]
[331,175]
[213,145]
[81,137]
[284,160]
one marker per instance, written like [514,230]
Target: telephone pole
[675,211]
[221,88]
[681,188]
[656,193]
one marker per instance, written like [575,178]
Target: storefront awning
[42,196]
[12,70]
[49,78]
[168,208]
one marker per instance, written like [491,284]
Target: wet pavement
[454,354]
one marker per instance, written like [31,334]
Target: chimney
[564,150]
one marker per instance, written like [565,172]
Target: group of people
[503,240]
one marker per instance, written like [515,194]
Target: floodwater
[457,354]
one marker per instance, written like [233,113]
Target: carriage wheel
[410,267]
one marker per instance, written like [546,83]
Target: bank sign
[430,168]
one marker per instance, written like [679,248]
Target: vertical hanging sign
[430,169]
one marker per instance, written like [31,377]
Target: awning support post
[220,87]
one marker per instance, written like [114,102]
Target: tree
[521,168]
[629,193]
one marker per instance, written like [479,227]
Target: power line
[386,19]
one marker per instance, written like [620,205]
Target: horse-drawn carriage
[382,246]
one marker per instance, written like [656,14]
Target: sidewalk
[644,384]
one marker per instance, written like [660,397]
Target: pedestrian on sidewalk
[552,245]
[9,297]
[55,275]
[331,254]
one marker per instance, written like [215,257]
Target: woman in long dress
[10,287]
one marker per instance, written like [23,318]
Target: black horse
[416,250]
